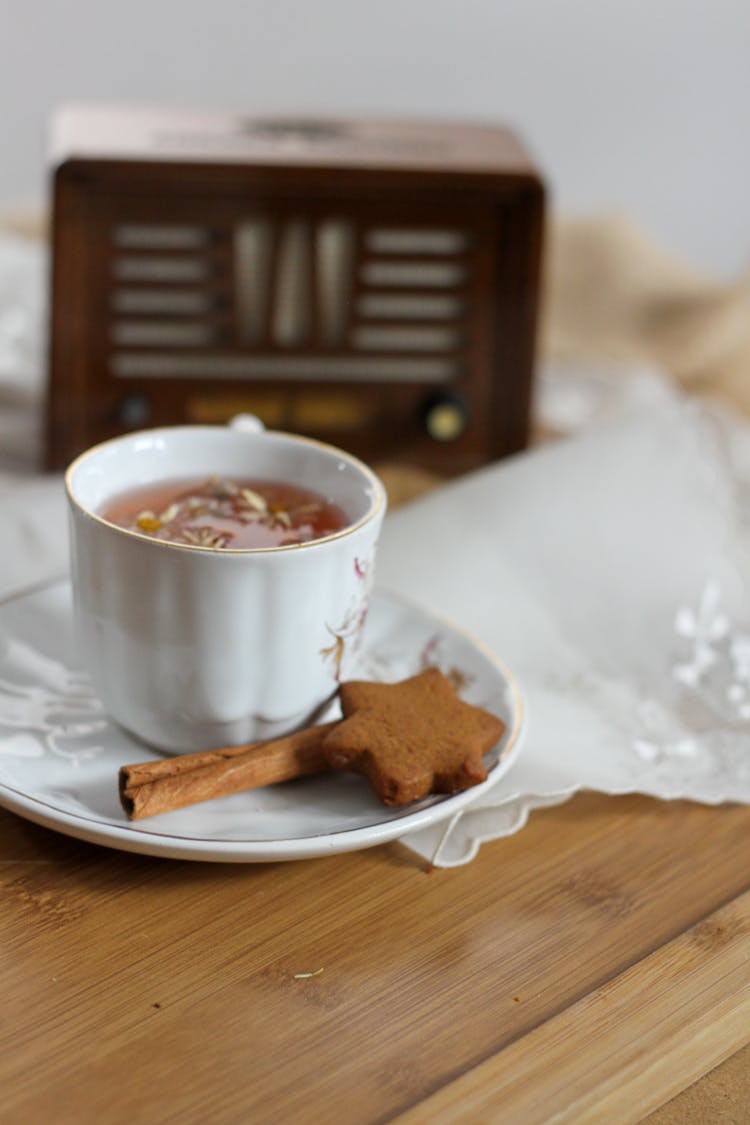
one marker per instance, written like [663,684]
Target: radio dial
[134,411]
[445,418]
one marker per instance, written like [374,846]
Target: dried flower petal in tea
[219,513]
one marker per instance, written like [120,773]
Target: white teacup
[195,647]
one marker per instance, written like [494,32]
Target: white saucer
[60,754]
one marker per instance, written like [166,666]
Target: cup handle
[246,424]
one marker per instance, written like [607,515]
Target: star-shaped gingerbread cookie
[411,738]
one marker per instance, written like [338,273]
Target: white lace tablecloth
[608,570]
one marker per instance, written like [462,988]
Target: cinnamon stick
[148,788]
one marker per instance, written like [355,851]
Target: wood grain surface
[585,969]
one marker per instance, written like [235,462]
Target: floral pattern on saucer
[46,706]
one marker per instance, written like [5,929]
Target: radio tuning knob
[134,411]
[445,417]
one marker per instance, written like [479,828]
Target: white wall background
[640,106]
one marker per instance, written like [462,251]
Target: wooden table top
[590,966]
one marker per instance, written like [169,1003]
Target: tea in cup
[221,579]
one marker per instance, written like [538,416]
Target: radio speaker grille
[335,299]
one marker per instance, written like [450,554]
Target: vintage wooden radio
[373,284]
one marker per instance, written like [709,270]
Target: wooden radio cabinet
[374,284]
